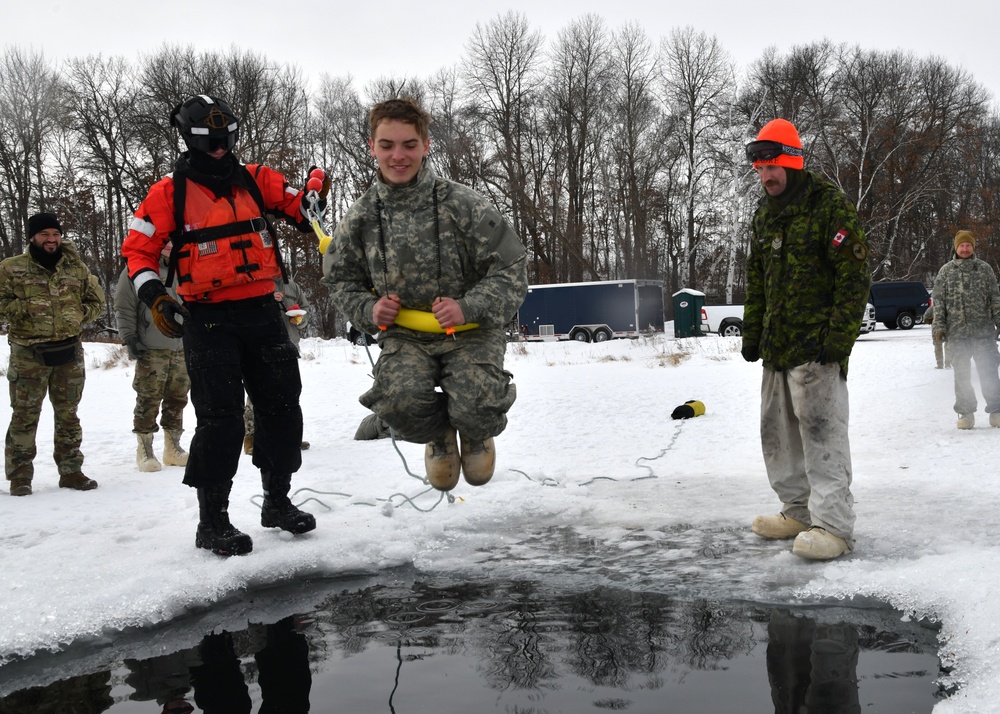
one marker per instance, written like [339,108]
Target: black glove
[750,353]
[135,350]
[165,309]
[831,355]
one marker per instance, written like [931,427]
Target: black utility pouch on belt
[53,354]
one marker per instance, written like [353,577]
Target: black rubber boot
[215,532]
[278,511]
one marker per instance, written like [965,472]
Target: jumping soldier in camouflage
[967,316]
[418,241]
[160,374]
[46,296]
[807,285]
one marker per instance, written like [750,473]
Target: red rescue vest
[229,242]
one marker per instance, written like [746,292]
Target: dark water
[402,645]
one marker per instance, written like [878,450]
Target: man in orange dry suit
[225,261]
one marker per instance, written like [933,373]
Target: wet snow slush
[556,621]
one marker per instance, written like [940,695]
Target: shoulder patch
[838,239]
[859,251]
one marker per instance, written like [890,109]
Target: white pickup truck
[727,320]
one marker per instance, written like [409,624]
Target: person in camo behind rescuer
[161,378]
[420,242]
[47,294]
[807,287]
[225,260]
[966,317]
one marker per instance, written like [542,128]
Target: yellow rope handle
[418,320]
[324,239]
[426,322]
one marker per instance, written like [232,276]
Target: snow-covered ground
[590,447]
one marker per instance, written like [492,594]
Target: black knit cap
[41,221]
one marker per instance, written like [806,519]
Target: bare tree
[30,110]
[698,81]
[579,90]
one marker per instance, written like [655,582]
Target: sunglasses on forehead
[768,150]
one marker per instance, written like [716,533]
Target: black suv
[899,304]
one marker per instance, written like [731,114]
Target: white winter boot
[819,544]
[995,419]
[966,421]
[145,459]
[778,527]
[173,453]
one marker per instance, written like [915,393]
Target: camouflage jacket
[966,300]
[807,277]
[398,239]
[39,305]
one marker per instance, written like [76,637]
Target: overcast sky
[386,37]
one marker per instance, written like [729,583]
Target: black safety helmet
[206,123]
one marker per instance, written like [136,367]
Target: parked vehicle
[592,312]
[899,303]
[868,322]
[727,320]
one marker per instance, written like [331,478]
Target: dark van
[899,304]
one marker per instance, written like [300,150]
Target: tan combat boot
[248,444]
[145,459]
[478,460]
[442,461]
[173,453]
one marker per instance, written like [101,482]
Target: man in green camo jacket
[807,287]
[424,243]
[47,294]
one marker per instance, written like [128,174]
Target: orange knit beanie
[783,132]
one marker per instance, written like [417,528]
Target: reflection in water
[812,666]
[211,673]
[519,646]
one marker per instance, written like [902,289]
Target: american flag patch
[209,248]
[839,238]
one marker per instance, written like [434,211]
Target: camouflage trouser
[475,391]
[29,381]
[160,376]
[248,417]
[984,352]
[803,434]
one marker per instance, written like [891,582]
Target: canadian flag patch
[839,238]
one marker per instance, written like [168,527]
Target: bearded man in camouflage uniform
[967,315]
[807,287]
[46,296]
[420,242]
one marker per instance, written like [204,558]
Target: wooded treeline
[613,154]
